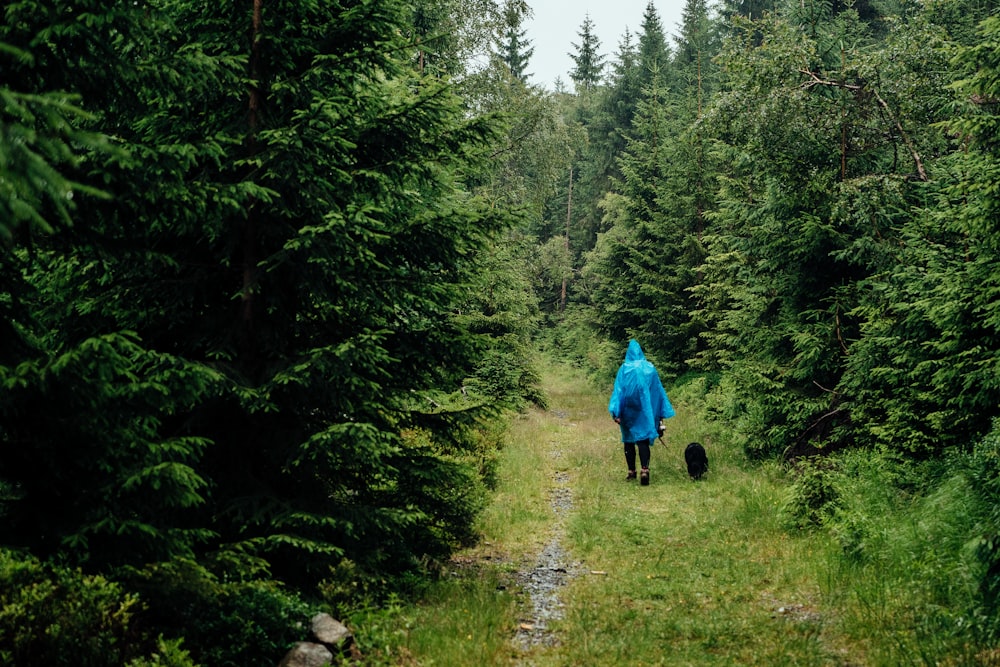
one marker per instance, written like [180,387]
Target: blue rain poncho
[638,399]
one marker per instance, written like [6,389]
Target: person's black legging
[630,447]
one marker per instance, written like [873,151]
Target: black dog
[696,459]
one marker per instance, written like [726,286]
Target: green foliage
[515,50]
[257,308]
[608,119]
[812,498]
[39,144]
[813,200]
[43,139]
[571,337]
[506,374]
[924,373]
[100,479]
[249,357]
[873,488]
[697,44]
[912,537]
[652,254]
[653,52]
[981,469]
[168,653]
[503,310]
[52,615]
[223,620]
[290,298]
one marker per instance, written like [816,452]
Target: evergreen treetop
[588,61]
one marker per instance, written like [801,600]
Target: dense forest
[272,276]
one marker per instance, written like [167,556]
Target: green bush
[909,532]
[168,653]
[870,488]
[813,498]
[983,473]
[571,336]
[223,622]
[57,616]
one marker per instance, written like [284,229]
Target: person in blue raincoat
[638,405]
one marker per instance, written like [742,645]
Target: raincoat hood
[634,352]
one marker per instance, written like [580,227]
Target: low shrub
[908,531]
[55,616]
[982,469]
[813,497]
[168,653]
[244,623]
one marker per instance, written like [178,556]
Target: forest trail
[676,573]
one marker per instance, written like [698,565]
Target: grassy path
[676,573]
[696,573]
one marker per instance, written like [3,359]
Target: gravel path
[552,570]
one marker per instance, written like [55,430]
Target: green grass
[679,572]
[464,620]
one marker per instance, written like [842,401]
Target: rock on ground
[307,654]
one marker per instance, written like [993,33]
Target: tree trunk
[248,352]
[569,217]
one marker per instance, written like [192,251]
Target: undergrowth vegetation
[858,557]
[52,615]
[916,559]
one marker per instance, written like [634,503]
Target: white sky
[555,25]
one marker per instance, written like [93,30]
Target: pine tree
[653,51]
[588,62]
[515,49]
[95,473]
[697,43]
[819,167]
[923,378]
[435,31]
[751,9]
[612,119]
[639,68]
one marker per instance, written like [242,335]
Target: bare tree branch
[815,80]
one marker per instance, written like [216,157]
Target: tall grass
[905,576]
[711,572]
[465,619]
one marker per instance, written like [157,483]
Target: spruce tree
[96,474]
[588,61]
[611,119]
[653,55]
[819,166]
[515,48]
[923,377]
[254,340]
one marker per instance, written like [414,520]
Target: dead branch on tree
[815,80]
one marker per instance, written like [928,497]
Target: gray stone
[331,632]
[307,654]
